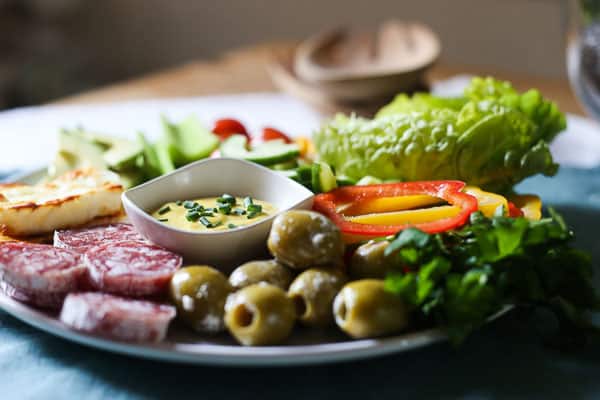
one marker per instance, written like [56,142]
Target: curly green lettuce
[492,137]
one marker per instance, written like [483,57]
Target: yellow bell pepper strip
[450,191]
[385,204]
[306,147]
[488,202]
[413,217]
[529,204]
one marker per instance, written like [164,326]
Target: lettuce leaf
[492,137]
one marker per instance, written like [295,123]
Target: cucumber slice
[323,178]
[343,180]
[267,153]
[368,180]
[150,164]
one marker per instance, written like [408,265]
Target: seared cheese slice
[70,200]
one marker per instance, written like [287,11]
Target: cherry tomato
[269,133]
[227,126]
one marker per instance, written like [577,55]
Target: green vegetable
[491,137]
[322,178]
[459,278]
[188,141]
[267,153]
[151,166]
[164,210]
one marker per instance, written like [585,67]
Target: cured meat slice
[40,299]
[81,240]
[40,268]
[131,268]
[117,317]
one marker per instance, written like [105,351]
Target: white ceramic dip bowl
[223,249]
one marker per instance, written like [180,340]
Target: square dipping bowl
[223,249]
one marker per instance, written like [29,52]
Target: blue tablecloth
[503,360]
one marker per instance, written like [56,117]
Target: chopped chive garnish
[163,219]
[206,214]
[164,210]
[190,204]
[178,202]
[192,216]
[231,226]
[225,209]
[226,199]
[252,214]
[205,222]
[255,208]
[248,201]
[239,211]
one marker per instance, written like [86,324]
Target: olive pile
[305,282]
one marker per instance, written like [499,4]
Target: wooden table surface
[244,70]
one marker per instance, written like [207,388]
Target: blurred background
[53,48]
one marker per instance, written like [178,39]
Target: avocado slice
[266,153]
[189,140]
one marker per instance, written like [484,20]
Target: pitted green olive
[269,271]
[369,261]
[313,292]
[259,315]
[199,292]
[303,239]
[364,309]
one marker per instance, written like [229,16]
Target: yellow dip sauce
[213,213]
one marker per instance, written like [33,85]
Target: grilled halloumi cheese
[70,200]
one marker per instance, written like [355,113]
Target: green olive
[199,292]
[303,239]
[313,292]
[369,261]
[259,315]
[364,309]
[269,271]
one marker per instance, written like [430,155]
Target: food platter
[377,254]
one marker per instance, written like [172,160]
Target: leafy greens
[492,137]
[459,278]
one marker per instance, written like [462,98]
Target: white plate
[35,125]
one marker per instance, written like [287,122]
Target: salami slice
[40,268]
[80,240]
[131,268]
[40,299]
[117,317]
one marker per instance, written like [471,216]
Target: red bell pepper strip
[227,126]
[514,211]
[451,191]
[269,133]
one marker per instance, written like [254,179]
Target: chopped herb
[192,216]
[239,211]
[255,208]
[225,209]
[231,226]
[248,201]
[179,202]
[204,221]
[226,199]
[164,210]
[207,214]
[190,204]
[252,214]
[163,219]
